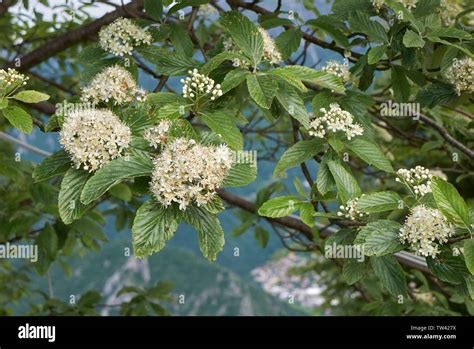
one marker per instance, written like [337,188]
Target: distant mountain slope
[208,289]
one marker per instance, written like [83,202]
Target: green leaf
[233,79]
[154,8]
[353,270]
[291,101]
[179,5]
[181,41]
[425,7]
[47,242]
[288,42]
[400,84]
[307,213]
[152,227]
[220,58]
[280,207]
[121,191]
[345,182]
[224,123]
[295,74]
[55,164]
[19,118]
[362,23]
[435,94]
[168,63]
[210,233]
[298,153]
[262,236]
[375,54]
[451,33]
[390,274]
[324,181]
[241,174]
[379,202]
[450,203]
[412,39]
[113,173]
[262,89]
[30,96]
[448,268]
[69,203]
[381,238]
[370,153]
[244,34]
[3,103]
[469,254]
[327,24]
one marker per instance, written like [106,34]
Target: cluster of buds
[198,85]
[449,9]
[350,211]
[10,80]
[417,179]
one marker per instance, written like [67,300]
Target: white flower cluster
[11,79]
[198,85]
[425,229]
[113,83]
[122,36]
[418,179]
[461,75]
[158,134]
[335,119]
[409,4]
[449,9]
[350,210]
[187,172]
[94,137]
[270,50]
[341,70]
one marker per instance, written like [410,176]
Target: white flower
[10,80]
[333,120]
[186,172]
[417,179]
[141,95]
[158,134]
[425,229]
[196,86]
[94,137]
[350,210]
[122,36]
[270,50]
[113,83]
[461,75]
[341,70]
